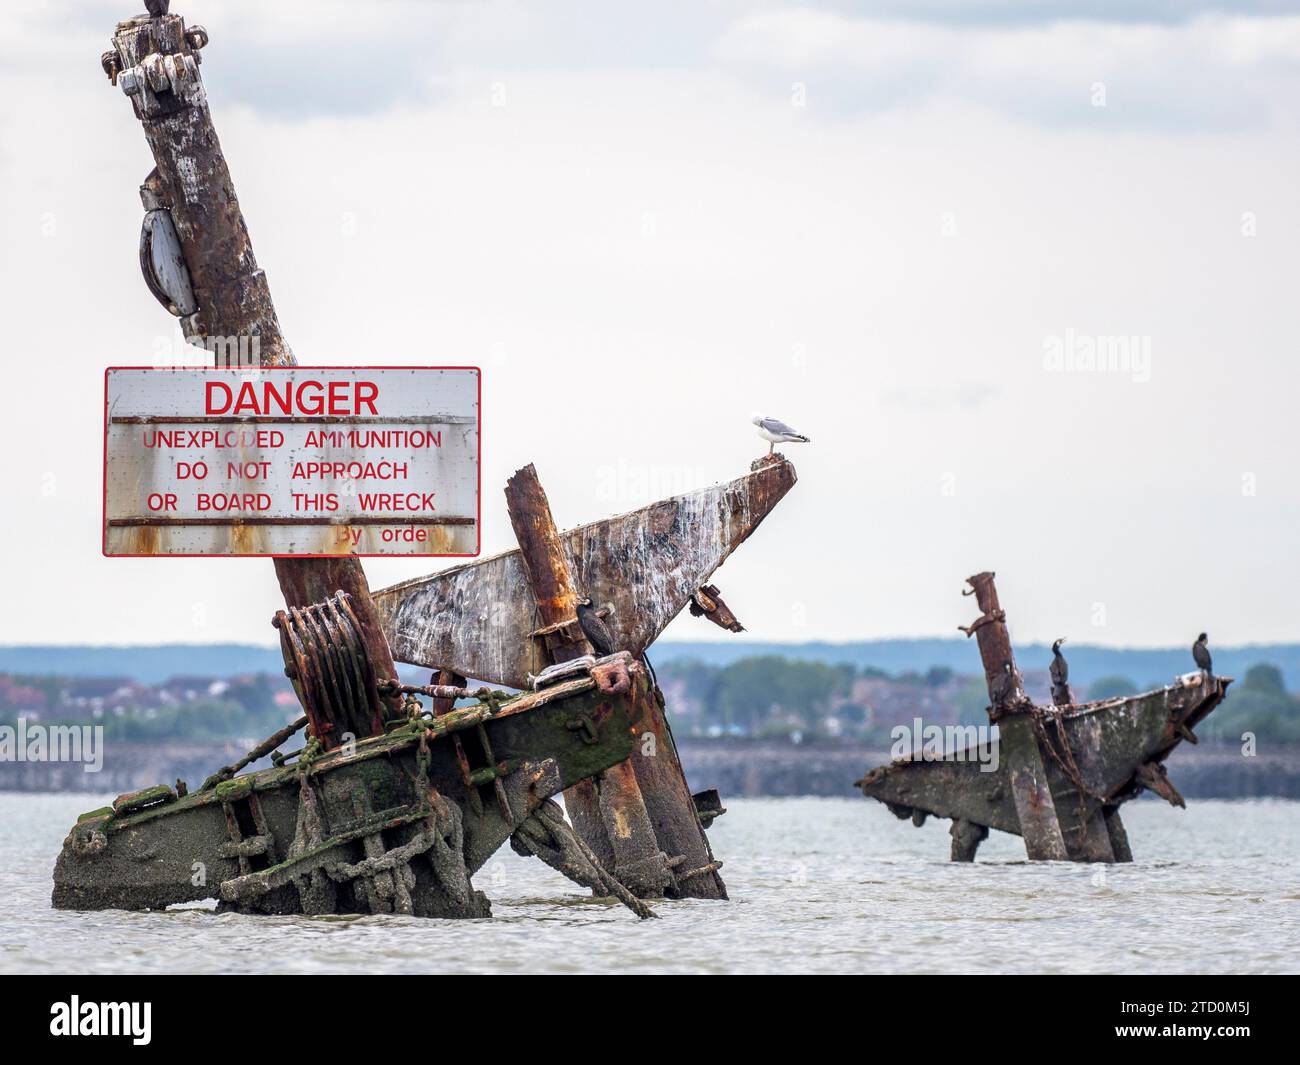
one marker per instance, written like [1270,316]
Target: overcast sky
[884,223]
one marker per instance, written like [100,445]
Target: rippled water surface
[817,885]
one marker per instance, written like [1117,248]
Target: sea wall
[753,768]
[734,767]
[126,767]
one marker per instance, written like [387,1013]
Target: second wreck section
[1060,773]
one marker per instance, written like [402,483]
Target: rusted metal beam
[445,678]
[1118,836]
[156,62]
[638,818]
[610,816]
[608,812]
[708,603]
[546,568]
[668,800]
[966,838]
[642,819]
[1012,710]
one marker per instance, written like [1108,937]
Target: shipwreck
[1060,773]
[398,793]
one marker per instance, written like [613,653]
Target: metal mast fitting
[198,260]
[155,62]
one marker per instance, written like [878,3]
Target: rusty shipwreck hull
[644,566]
[397,823]
[1115,749]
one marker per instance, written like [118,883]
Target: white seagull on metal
[775,431]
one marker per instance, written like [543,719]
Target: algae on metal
[394,823]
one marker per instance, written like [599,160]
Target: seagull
[1060,671]
[594,627]
[1201,653]
[775,431]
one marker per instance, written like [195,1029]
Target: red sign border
[478,520]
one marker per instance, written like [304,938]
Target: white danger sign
[291,461]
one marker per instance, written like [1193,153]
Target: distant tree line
[769,696]
[245,708]
[764,696]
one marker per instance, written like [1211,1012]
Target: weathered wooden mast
[156,60]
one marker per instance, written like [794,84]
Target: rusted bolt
[586,726]
[196,37]
[112,64]
[612,677]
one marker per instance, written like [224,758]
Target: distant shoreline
[737,768]
[759,768]
[1146,667]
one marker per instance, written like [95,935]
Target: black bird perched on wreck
[594,627]
[157,8]
[1201,653]
[1060,670]
[1003,686]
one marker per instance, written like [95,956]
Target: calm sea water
[817,885]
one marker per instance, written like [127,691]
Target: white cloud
[796,261]
[1205,70]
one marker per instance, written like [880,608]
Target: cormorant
[157,8]
[1201,653]
[1003,685]
[594,627]
[1060,671]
